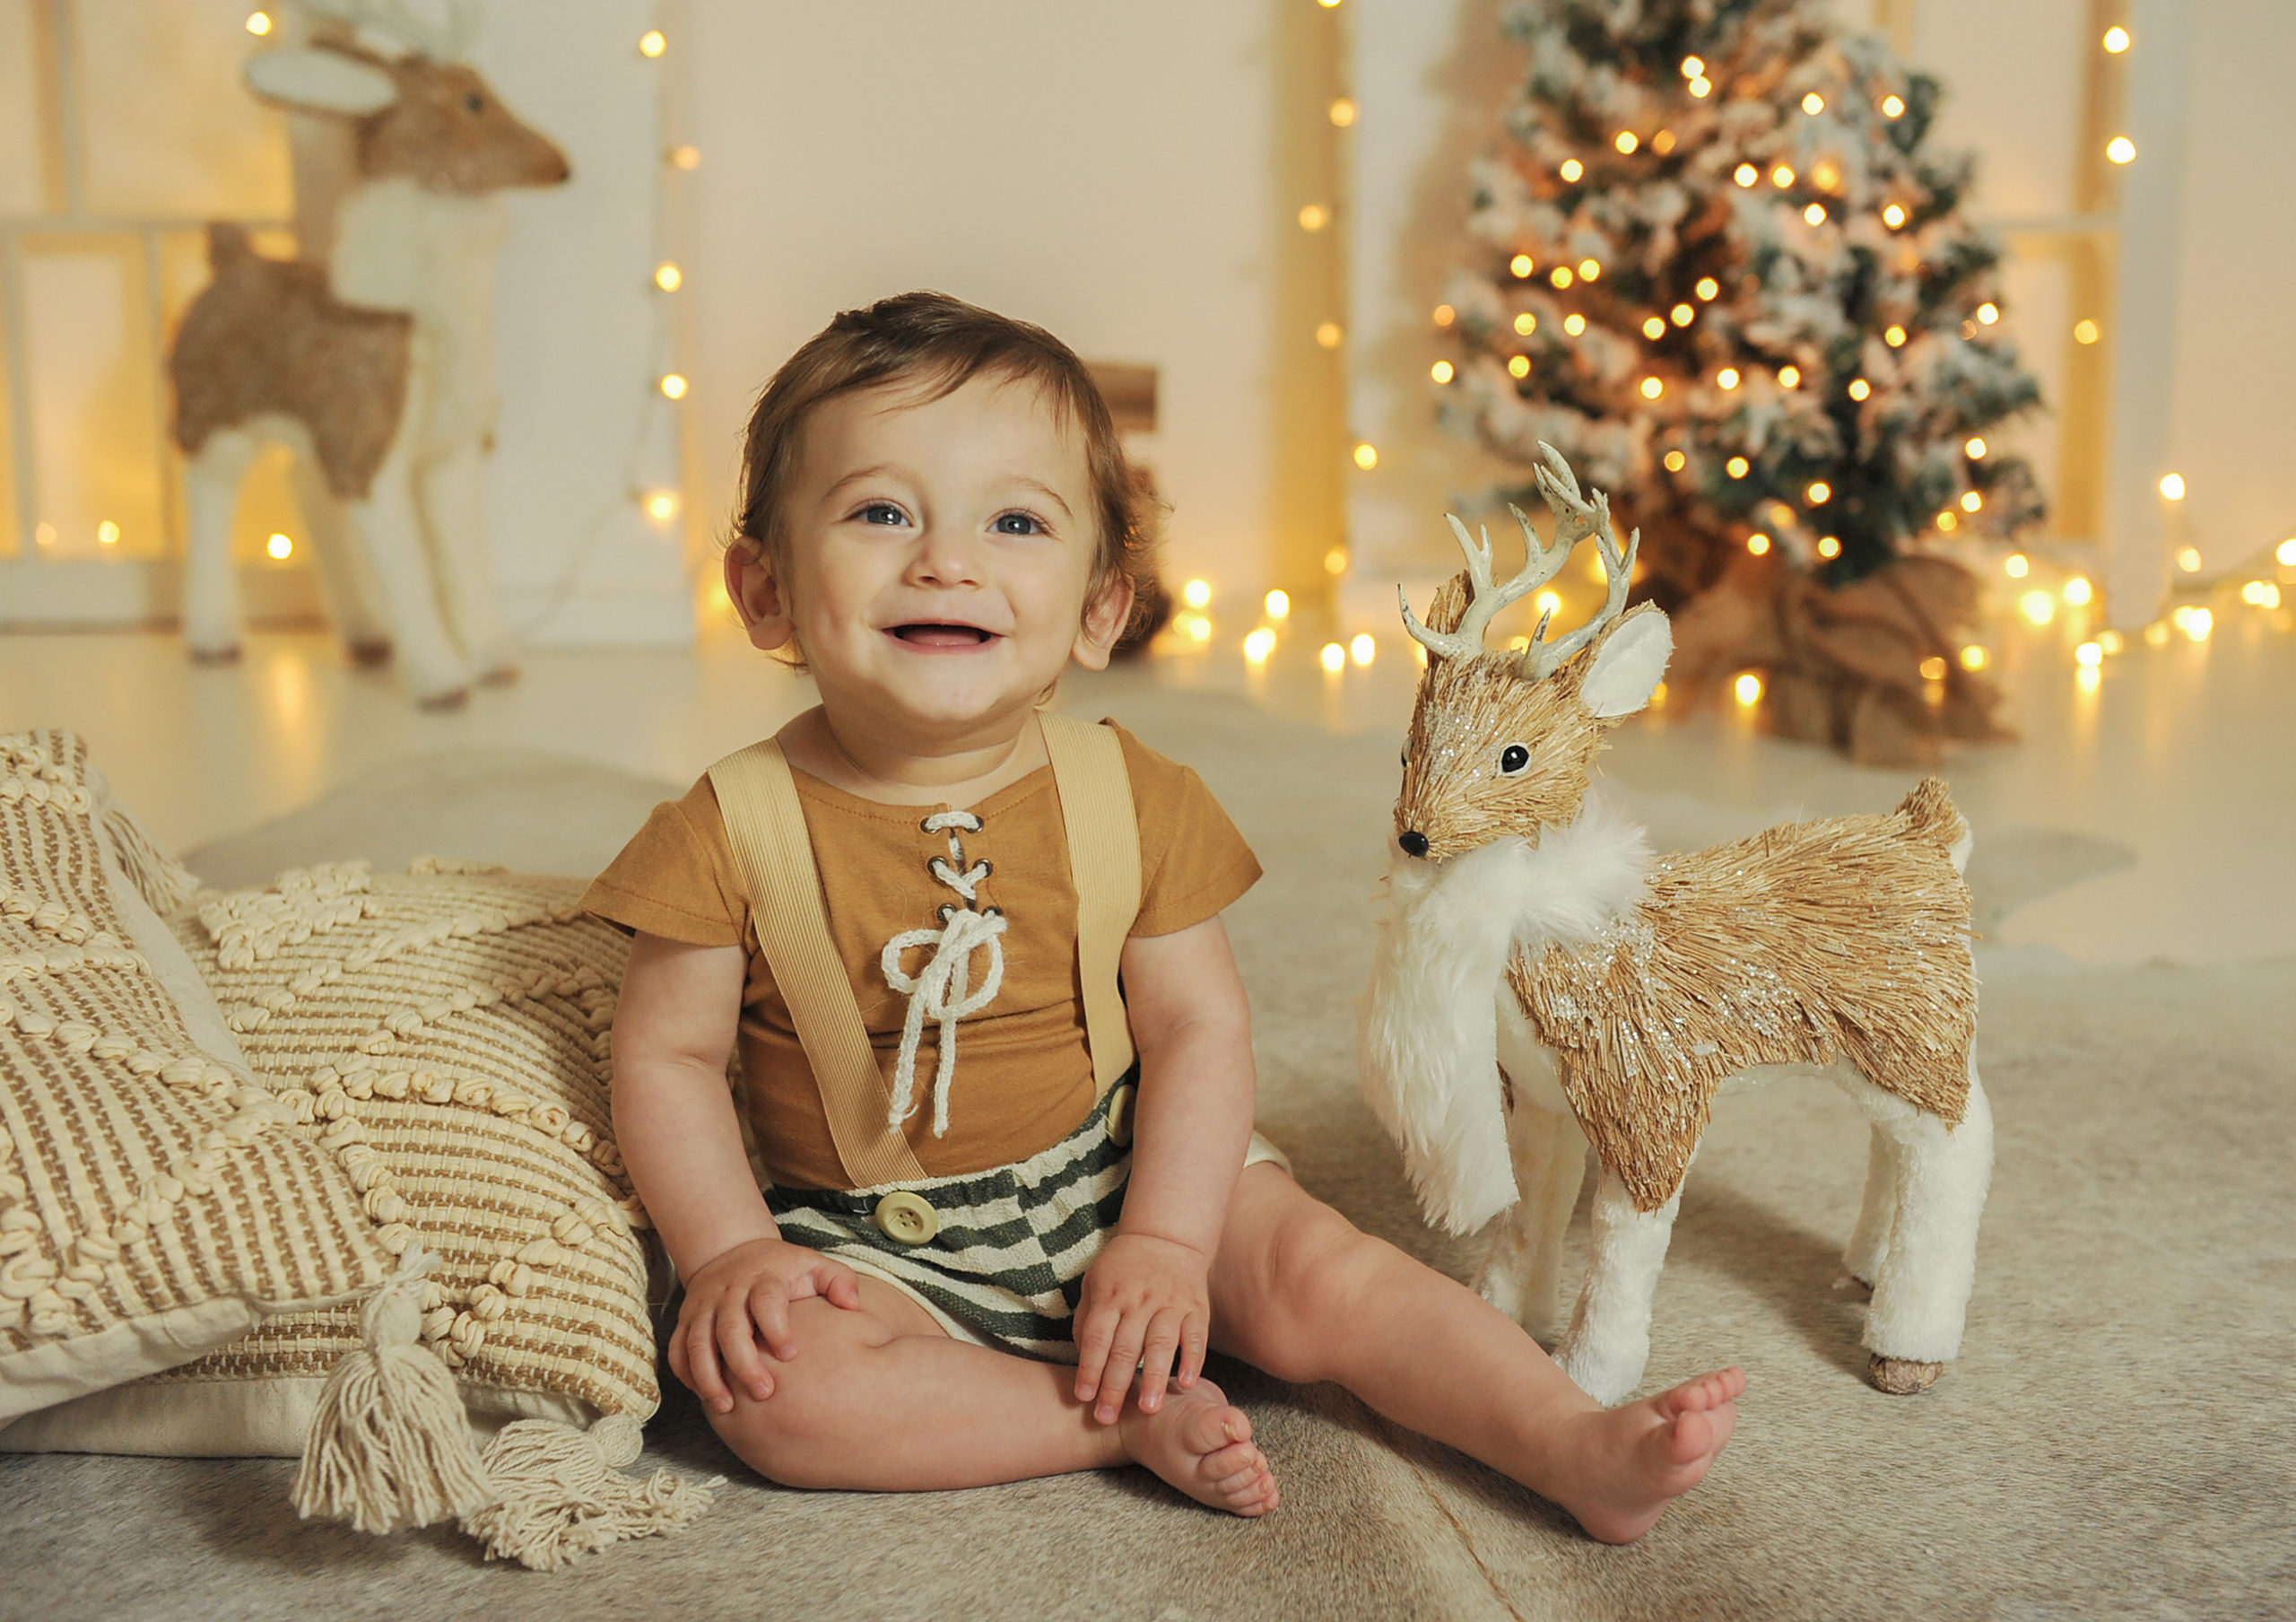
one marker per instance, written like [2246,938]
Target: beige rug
[2119,1438]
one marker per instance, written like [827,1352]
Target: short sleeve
[675,878]
[1193,863]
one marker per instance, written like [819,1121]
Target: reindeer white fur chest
[1543,982]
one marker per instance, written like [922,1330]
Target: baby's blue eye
[883,512]
[1018,523]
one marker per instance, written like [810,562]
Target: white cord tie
[942,990]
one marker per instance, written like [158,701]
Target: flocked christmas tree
[1717,265]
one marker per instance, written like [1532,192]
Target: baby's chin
[958,692]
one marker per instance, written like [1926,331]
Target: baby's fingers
[1156,1361]
[698,1336]
[769,1309]
[1195,1336]
[1124,1360]
[837,1285]
[736,1345]
[1095,1330]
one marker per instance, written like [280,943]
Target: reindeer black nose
[1413,843]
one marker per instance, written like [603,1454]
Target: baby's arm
[1146,1296]
[673,1118]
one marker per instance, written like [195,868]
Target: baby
[936,518]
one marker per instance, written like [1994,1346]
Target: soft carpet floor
[2118,1438]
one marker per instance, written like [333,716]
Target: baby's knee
[1321,1275]
[796,1435]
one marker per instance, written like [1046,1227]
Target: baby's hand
[1144,1299]
[741,1296]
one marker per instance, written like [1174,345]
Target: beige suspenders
[765,826]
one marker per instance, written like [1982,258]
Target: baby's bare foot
[1649,1453]
[1203,1446]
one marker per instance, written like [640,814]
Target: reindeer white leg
[386,525]
[1608,1344]
[1869,1240]
[1929,1265]
[211,595]
[1520,1272]
[453,504]
[353,594]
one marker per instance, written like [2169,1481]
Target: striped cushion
[154,1202]
[1014,1243]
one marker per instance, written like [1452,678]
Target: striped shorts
[1006,1263]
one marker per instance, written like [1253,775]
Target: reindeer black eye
[474,102]
[1512,759]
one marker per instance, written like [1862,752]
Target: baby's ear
[756,596]
[1106,614]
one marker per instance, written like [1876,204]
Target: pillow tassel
[564,1494]
[390,1445]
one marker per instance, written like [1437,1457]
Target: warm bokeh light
[1781,177]
[1894,337]
[2188,559]
[1829,547]
[1518,366]
[652,43]
[1707,287]
[1728,378]
[1987,314]
[2198,623]
[1277,603]
[1571,169]
[662,506]
[2117,40]
[1701,87]
[2085,331]
[1342,112]
[1362,649]
[1328,333]
[1655,327]
[1682,315]
[2111,641]
[1746,174]
[1758,542]
[1443,371]
[1813,104]
[673,385]
[258,24]
[1547,602]
[1974,448]
[280,546]
[1949,520]
[1748,688]
[1335,658]
[1675,461]
[2286,553]
[2120,149]
[2090,653]
[1859,388]
[2261,594]
[668,277]
[1259,645]
[1199,629]
[1559,275]
[1626,141]
[1815,213]
[2038,607]
[1652,388]
[1933,668]
[1367,456]
[1972,501]
[1196,594]
[1789,376]
[1313,216]
[1335,561]
[1574,323]
[1526,324]
[1588,269]
[2079,592]
[687,158]
[2016,565]
[1521,265]
[1819,493]
[1445,314]
[1693,66]
[2172,485]
[1892,107]
[1737,467]
[1974,657]
[107,534]
[1893,217]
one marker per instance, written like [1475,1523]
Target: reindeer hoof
[370,652]
[443,703]
[1900,1377]
[216,656]
[502,675]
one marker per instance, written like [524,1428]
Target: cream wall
[1126,175]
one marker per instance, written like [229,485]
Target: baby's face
[939,552]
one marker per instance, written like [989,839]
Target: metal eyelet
[945,911]
[987,867]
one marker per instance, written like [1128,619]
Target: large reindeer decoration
[1543,982]
[375,367]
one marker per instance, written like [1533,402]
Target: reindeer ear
[1450,604]
[313,79]
[1628,664]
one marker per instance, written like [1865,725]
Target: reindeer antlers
[1576,518]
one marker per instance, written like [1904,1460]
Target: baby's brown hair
[944,343]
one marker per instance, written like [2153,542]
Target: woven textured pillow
[154,1203]
[446,1035]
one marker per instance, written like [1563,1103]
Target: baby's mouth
[931,634]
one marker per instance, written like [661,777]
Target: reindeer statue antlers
[1544,983]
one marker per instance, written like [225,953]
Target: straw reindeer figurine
[1544,981]
[373,363]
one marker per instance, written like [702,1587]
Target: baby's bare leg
[881,1399]
[1299,1291]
